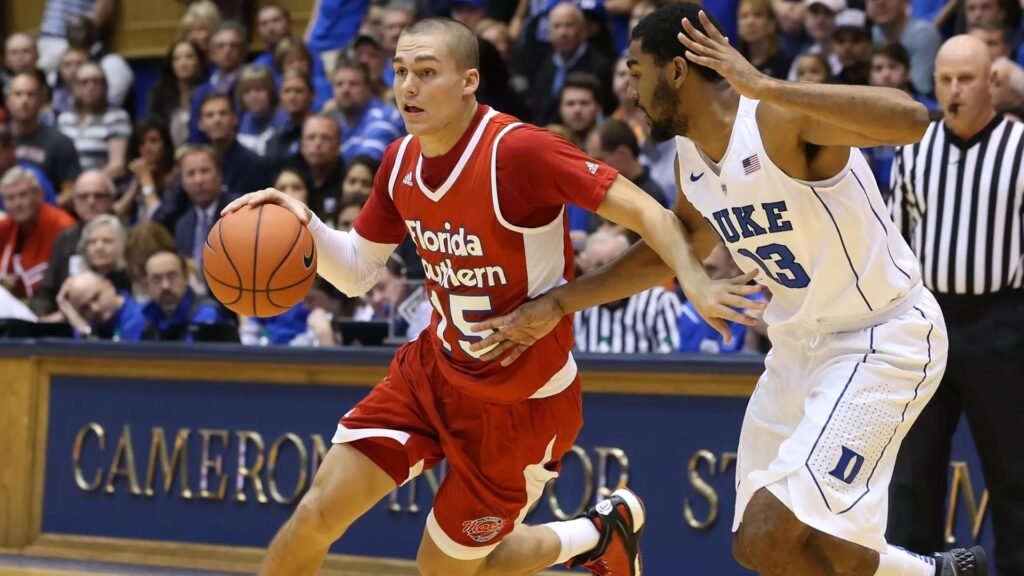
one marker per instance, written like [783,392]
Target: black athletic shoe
[962,562]
[620,521]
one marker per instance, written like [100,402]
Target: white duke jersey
[828,251]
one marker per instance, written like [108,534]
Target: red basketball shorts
[500,456]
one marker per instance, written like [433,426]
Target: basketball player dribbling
[859,345]
[483,197]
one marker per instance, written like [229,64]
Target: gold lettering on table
[702,488]
[588,487]
[619,455]
[123,464]
[318,454]
[216,464]
[245,438]
[727,459]
[76,456]
[168,464]
[300,484]
[975,512]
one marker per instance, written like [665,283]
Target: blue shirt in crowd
[378,126]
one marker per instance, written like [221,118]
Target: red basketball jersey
[477,263]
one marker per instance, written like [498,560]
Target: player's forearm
[636,270]
[666,234]
[346,260]
[885,114]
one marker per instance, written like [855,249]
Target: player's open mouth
[410,109]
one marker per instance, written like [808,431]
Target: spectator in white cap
[820,22]
[893,24]
[851,43]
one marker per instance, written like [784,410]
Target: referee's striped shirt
[959,205]
[645,322]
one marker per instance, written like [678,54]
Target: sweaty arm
[834,115]
[347,260]
[640,267]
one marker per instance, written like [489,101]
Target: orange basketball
[259,261]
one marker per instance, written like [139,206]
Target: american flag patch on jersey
[751,164]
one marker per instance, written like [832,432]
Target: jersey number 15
[458,306]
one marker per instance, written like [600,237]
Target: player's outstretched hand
[717,300]
[517,331]
[271,196]
[714,51]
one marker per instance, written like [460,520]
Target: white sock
[898,562]
[577,536]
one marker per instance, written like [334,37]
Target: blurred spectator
[579,106]
[227,53]
[173,306]
[347,214]
[54,33]
[395,300]
[496,87]
[966,225]
[20,57]
[792,33]
[812,68]
[468,12]
[42,146]
[297,101]
[367,124]
[320,162]
[241,169]
[820,24]
[893,23]
[368,51]
[96,310]
[93,196]
[325,303]
[291,54]
[101,249]
[994,35]
[357,182]
[151,164]
[614,143]
[643,323]
[851,42]
[198,24]
[293,183]
[145,239]
[9,159]
[696,335]
[570,53]
[980,11]
[182,71]
[627,110]
[1007,87]
[201,180]
[119,75]
[63,79]
[759,39]
[333,24]
[28,233]
[256,98]
[274,24]
[497,34]
[99,131]
[238,10]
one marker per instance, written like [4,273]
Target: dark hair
[346,63]
[165,97]
[211,96]
[234,26]
[175,253]
[461,43]
[583,81]
[362,160]
[139,131]
[615,133]
[989,25]
[288,47]
[657,35]
[893,51]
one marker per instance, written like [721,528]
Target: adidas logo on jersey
[408,179]
[592,168]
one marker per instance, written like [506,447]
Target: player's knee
[312,521]
[769,532]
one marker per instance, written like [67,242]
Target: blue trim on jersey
[807,463]
[880,223]
[856,277]
[903,417]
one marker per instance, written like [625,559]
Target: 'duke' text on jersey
[750,220]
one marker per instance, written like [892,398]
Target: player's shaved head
[964,49]
[458,39]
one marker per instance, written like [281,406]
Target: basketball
[259,260]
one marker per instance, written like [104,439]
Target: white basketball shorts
[825,423]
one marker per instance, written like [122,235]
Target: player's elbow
[915,123]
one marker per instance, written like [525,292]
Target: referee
[957,197]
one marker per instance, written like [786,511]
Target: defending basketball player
[483,197]
[859,346]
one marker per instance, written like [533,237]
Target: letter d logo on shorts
[483,529]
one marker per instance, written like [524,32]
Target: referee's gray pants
[984,380]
